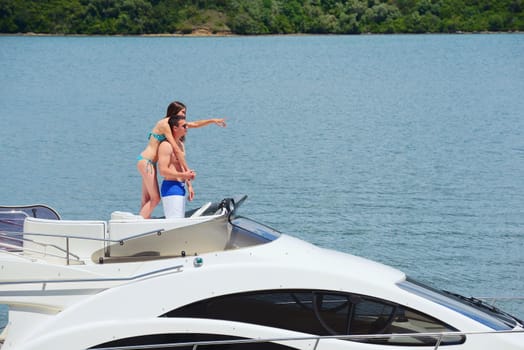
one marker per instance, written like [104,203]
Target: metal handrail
[105,240]
[44,245]
[109,279]
[10,246]
[317,339]
[10,235]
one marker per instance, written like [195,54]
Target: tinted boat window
[500,321]
[322,313]
[332,311]
[274,309]
[370,317]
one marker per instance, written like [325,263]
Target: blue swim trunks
[172,188]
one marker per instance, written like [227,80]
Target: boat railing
[43,245]
[316,340]
[106,240]
[176,268]
[18,238]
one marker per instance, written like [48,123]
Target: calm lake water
[408,150]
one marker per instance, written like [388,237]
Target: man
[173,191]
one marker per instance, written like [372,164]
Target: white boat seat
[123,228]
[70,228]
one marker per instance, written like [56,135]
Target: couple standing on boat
[166,147]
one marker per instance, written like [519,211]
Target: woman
[147,159]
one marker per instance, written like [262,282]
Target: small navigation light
[198,261]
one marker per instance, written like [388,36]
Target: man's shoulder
[165,146]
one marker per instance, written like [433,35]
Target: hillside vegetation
[109,17]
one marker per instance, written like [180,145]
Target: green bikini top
[159,137]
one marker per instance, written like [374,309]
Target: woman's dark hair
[174,108]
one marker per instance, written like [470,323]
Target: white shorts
[174,206]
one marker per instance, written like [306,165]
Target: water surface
[403,149]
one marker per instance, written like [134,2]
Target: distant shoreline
[205,34]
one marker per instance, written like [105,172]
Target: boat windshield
[473,308]
[244,229]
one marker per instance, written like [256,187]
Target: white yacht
[217,280]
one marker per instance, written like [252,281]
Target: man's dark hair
[173,120]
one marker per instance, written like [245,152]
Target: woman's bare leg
[150,191]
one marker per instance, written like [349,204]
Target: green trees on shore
[259,16]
